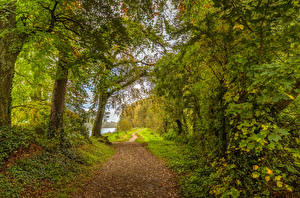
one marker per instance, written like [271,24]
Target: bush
[52,174]
[204,174]
[12,139]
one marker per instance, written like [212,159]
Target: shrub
[12,139]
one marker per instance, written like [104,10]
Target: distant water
[107,130]
[104,130]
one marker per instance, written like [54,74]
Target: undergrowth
[180,157]
[51,173]
[200,172]
[11,140]
[184,159]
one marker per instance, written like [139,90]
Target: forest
[211,87]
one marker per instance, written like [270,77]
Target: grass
[120,136]
[182,158]
[179,157]
[53,174]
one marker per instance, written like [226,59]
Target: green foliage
[12,139]
[184,159]
[232,91]
[143,113]
[226,97]
[56,172]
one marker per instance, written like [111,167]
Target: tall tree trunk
[9,51]
[58,102]
[100,114]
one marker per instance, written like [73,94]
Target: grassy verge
[53,173]
[120,136]
[179,157]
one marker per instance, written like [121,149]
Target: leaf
[279,184]
[255,175]
[269,171]
[291,97]
[255,167]
[235,193]
[271,145]
[291,169]
[207,6]
[282,131]
[278,178]
[289,188]
[274,137]
[238,26]
[264,127]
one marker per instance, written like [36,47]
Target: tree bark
[179,125]
[58,102]
[9,51]
[100,114]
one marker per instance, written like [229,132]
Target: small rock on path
[132,172]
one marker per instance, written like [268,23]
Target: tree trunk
[179,125]
[9,52]
[58,102]
[222,109]
[100,114]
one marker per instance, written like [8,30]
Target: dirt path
[131,172]
[133,137]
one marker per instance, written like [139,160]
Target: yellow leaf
[207,6]
[269,171]
[289,188]
[290,96]
[238,26]
[278,178]
[267,178]
[238,182]
[255,175]
[255,167]
[264,127]
[279,184]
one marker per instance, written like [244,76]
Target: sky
[113,115]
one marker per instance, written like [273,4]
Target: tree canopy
[224,79]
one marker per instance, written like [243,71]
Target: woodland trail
[132,172]
[133,137]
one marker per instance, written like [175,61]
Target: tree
[10,47]
[34,17]
[231,82]
[132,32]
[58,97]
[117,78]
